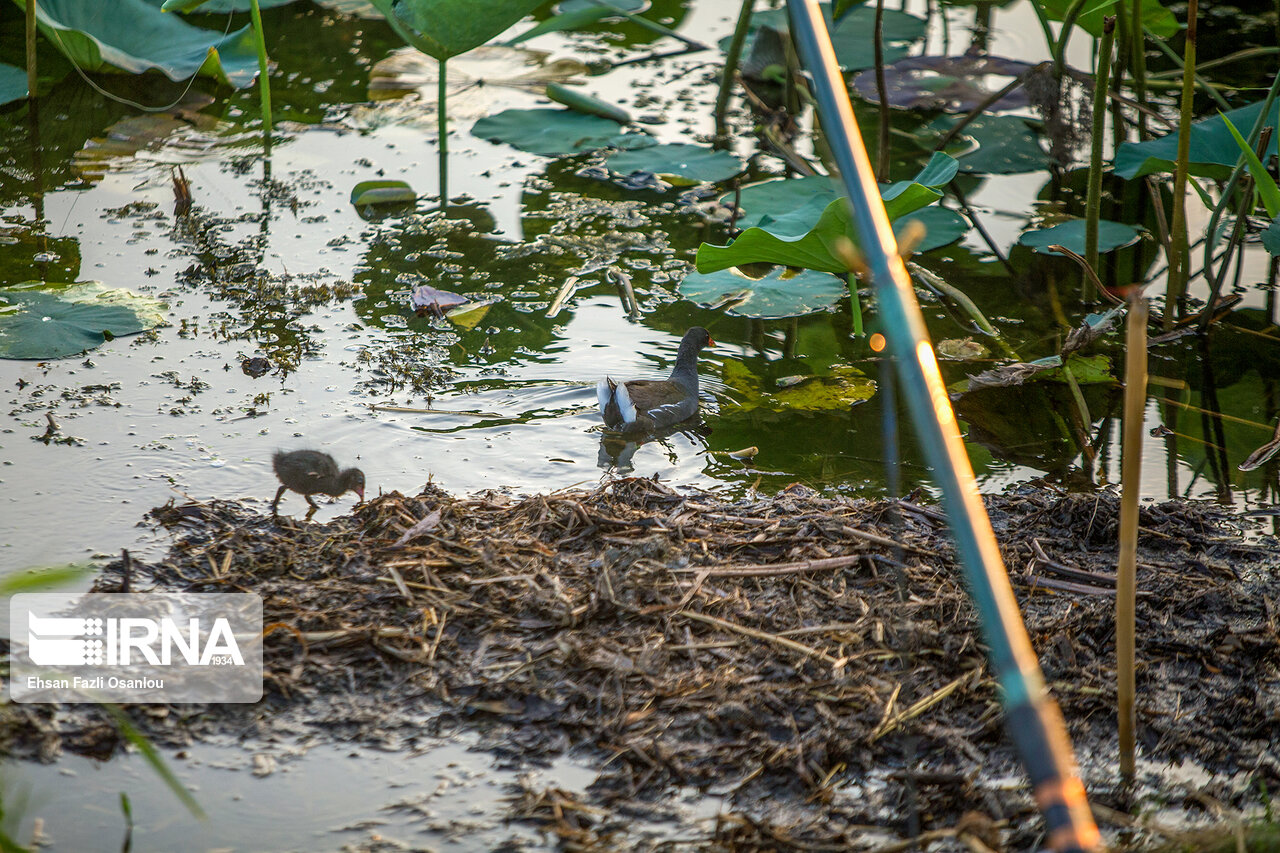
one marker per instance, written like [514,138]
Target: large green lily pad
[780,241]
[942,226]
[136,36]
[551,132]
[445,28]
[45,320]
[995,145]
[1111,236]
[13,83]
[679,163]
[780,293]
[1213,151]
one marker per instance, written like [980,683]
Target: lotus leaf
[13,83]
[1155,17]
[780,241]
[942,226]
[1213,152]
[445,28]
[1111,236]
[136,36]
[550,132]
[781,293]
[1271,237]
[678,163]
[998,145]
[45,320]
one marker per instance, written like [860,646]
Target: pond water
[274,261]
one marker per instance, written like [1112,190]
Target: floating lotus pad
[998,145]
[678,163]
[46,320]
[781,293]
[1111,236]
[13,83]
[554,132]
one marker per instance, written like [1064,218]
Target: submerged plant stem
[1093,201]
[1179,258]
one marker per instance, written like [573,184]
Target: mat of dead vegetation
[813,662]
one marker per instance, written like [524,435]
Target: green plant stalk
[1064,36]
[882,92]
[31,49]
[442,129]
[1093,199]
[1138,63]
[1135,397]
[1118,70]
[264,82]
[731,69]
[1179,258]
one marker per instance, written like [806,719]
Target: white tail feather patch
[604,391]
[625,406]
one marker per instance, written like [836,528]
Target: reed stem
[1135,397]
[1093,200]
[1179,257]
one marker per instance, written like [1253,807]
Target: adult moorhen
[310,472]
[644,405]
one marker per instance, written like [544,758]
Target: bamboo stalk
[1179,258]
[1135,396]
[1093,200]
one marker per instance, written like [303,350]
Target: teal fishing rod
[1032,717]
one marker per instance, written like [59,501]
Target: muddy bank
[813,663]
